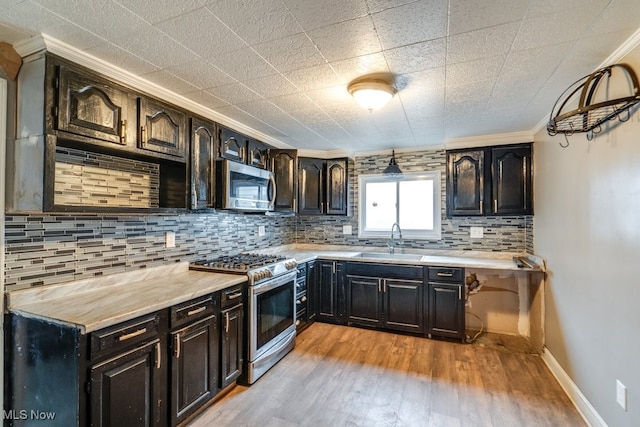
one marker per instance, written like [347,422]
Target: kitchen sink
[386,255]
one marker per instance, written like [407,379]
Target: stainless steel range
[271,330]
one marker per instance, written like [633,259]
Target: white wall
[587,226]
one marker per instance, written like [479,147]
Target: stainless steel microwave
[243,187]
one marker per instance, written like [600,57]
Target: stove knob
[268,273]
[259,275]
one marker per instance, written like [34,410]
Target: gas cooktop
[257,266]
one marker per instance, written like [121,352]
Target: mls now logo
[23,414]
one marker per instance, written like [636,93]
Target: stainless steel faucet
[392,242]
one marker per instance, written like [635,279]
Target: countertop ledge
[96,303]
[435,257]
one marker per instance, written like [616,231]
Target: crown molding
[487,140]
[64,50]
[323,154]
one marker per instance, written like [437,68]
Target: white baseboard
[588,412]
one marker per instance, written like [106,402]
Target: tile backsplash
[43,249]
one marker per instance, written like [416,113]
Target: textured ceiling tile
[545,7]
[334,95]
[201,73]
[103,17]
[482,43]
[417,57]
[235,93]
[256,21]
[294,102]
[347,39]
[309,115]
[121,58]
[74,36]
[316,14]
[349,69]
[617,16]
[477,91]
[427,20]
[206,99]
[474,71]
[551,29]
[313,78]
[290,53]
[154,11]
[169,81]
[469,15]
[202,32]
[30,18]
[244,64]
[380,5]
[272,86]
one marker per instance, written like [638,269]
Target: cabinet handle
[379,285]
[143,135]
[242,154]
[384,286]
[444,274]
[333,267]
[495,205]
[177,345]
[132,334]
[123,130]
[158,356]
[197,310]
[459,292]
[226,323]
[234,296]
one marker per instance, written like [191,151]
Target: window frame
[435,234]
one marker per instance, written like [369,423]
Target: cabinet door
[310,186]
[465,183]
[203,148]
[194,367]
[233,145]
[403,307]
[231,346]
[284,165]
[446,310]
[125,390]
[257,154]
[162,129]
[512,180]
[337,187]
[312,291]
[364,300]
[92,107]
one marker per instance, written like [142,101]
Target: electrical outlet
[476,232]
[347,229]
[261,231]
[170,239]
[621,395]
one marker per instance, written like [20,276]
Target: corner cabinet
[322,186]
[331,292]
[490,181]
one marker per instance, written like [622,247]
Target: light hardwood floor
[345,376]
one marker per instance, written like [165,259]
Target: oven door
[271,313]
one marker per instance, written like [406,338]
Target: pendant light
[393,169]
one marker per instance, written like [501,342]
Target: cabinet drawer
[446,274]
[192,310]
[124,335]
[231,296]
[385,271]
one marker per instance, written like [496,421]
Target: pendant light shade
[393,169]
[371,94]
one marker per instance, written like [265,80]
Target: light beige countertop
[433,257]
[95,303]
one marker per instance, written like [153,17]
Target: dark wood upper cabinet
[233,145]
[490,181]
[203,151]
[257,154]
[322,186]
[284,165]
[161,128]
[92,107]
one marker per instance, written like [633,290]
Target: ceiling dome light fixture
[371,93]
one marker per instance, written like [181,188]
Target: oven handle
[273,283]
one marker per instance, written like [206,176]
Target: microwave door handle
[272,181]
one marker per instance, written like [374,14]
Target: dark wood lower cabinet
[194,367]
[126,390]
[331,292]
[231,351]
[446,302]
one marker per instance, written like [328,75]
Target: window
[412,200]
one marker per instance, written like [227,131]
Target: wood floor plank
[345,376]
